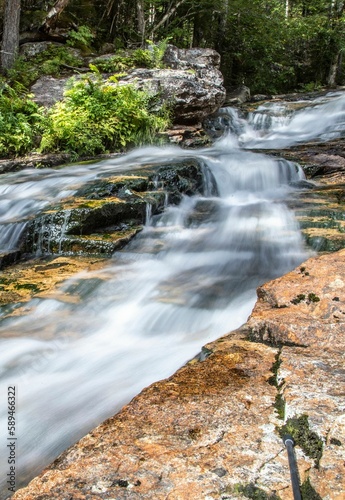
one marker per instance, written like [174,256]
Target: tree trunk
[10,38]
[141,20]
[50,21]
[334,70]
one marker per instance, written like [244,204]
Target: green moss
[275,367]
[279,400]
[254,492]
[308,492]
[313,298]
[298,299]
[309,441]
[280,406]
[27,286]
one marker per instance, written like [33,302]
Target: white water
[276,125]
[188,278]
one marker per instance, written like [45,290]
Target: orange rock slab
[211,430]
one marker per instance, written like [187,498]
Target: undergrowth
[21,122]
[97,116]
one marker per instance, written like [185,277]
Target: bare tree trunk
[141,20]
[50,21]
[10,38]
[333,71]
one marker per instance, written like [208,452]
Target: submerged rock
[213,430]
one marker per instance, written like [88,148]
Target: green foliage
[97,116]
[22,72]
[143,58]
[82,38]
[113,64]
[21,122]
[262,44]
[309,441]
[254,492]
[308,492]
[51,61]
[156,51]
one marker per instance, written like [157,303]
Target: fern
[98,116]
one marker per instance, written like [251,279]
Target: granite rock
[213,430]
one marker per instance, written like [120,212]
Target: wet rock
[237,96]
[320,213]
[320,206]
[8,258]
[260,98]
[188,136]
[40,277]
[213,430]
[35,160]
[106,214]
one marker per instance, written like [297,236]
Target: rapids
[189,277]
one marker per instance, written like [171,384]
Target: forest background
[271,46]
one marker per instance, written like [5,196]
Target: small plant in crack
[273,380]
[309,441]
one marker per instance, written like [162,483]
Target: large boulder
[191,84]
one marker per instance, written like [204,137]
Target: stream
[189,277]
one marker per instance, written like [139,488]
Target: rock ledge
[212,430]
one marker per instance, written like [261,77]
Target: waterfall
[188,278]
[276,125]
[148,215]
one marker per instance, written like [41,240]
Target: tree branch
[168,14]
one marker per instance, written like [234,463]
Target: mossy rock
[308,492]
[254,492]
[114,187]
[106,213]
[309,441]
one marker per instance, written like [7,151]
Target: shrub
[81,39]
[98,116]
[49,62]
[21,122]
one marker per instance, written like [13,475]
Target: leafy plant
[113,64]
[143,58]
[82,38]
[97,116]
[49,62]
[157,51]
[21,122]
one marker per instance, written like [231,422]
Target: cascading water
[276,125]
[189,277]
